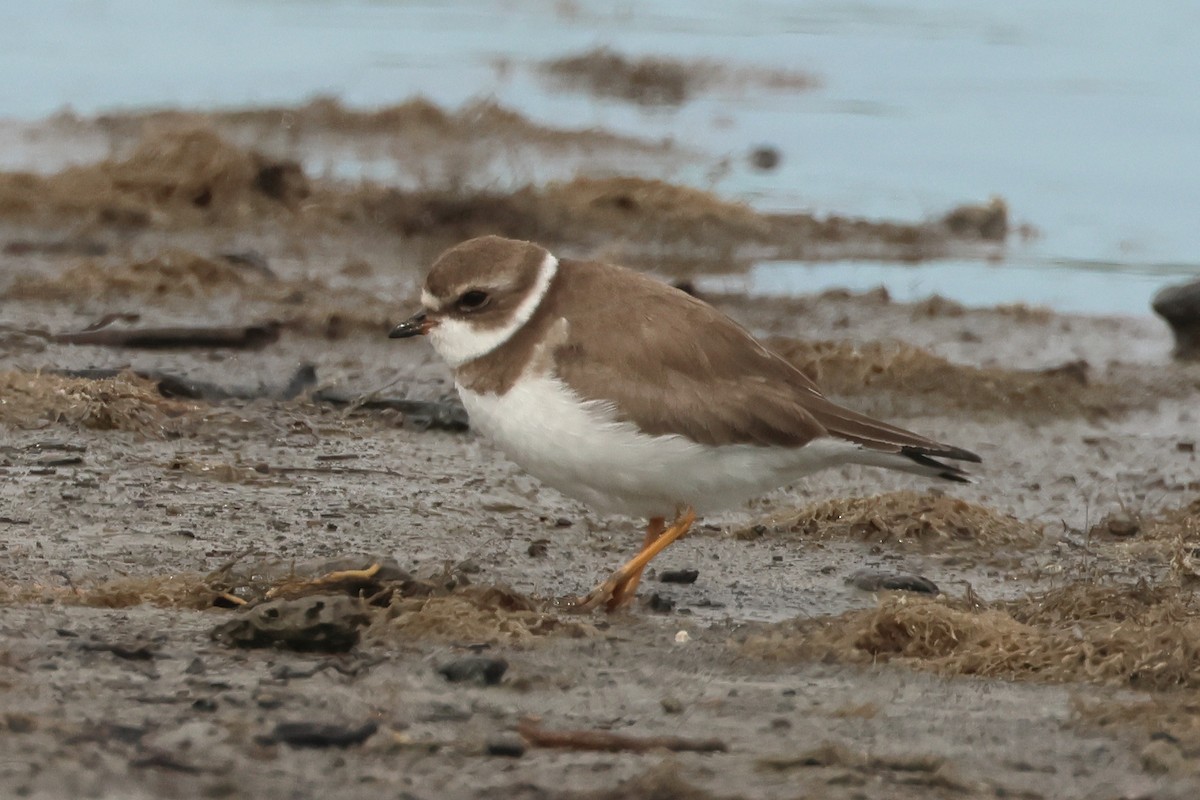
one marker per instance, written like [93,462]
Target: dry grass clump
[188,591]
[1132,635]
[1168,538]
[634,217]
[123,403]
[442,606]
[172,272]
[410,122]
[657,81]
[182,173]
[583,211]
[173,175]
[904,518]
[919,381]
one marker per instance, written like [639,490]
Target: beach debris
[1180,307]
[324,623]
[609,742]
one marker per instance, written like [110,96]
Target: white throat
[457,341]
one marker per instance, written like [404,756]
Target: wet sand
[1057,657]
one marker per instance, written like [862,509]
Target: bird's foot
[618,590]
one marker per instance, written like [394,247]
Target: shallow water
[1082,116]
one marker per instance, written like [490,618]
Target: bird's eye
[472,300]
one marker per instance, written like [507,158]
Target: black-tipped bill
[416,325]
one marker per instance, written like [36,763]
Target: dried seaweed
[916,519]
[121,403]
[1125,635]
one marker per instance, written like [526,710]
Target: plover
[635,397]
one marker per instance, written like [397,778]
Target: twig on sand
[608,742]
[241,337]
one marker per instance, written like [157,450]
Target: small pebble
[765,157]
[483,670]
[679,576]
[508,747]
[660,604]
[672,705]
[205,704]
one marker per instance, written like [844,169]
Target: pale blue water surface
[1084,116]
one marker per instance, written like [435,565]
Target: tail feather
[917,461]
[950,472]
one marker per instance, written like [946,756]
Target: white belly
[579,448]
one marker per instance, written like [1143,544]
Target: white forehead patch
[429,302]
[458,341]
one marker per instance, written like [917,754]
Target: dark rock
[765,157]
[538,548]
[204,704]
[508,746]
[679,576]
[319,734]
[1118,523]
[870,580]
[284,181]
[483,670]
[660,604]
[321,623]
[20,723]
[1180,307]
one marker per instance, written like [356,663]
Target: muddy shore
[1039,639]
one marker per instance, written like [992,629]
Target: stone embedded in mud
[679,576]
[320,734]
[870,580]
[508,747]
[765,157]
[482,670]
[1180,307]
[320,623]
[1118,523]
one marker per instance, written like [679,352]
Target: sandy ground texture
[278,564]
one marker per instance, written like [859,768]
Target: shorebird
[634,397]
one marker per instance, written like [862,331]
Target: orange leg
[624,591]
[619,587]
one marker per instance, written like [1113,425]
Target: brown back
[672,364]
